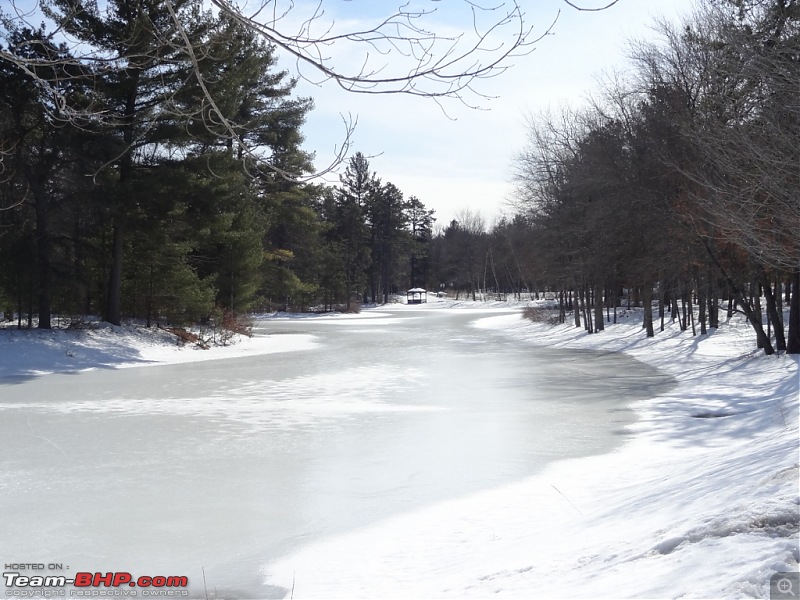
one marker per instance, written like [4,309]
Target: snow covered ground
[700,502]
[26,352]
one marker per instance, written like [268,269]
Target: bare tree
[736,65]
[470,235]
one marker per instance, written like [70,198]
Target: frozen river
[223,466]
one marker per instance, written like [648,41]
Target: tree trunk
[755,294]
[774,318]
[793,339]
[43,256]
[587,318]
[19,301]
[713,305]
[599,324]
[647,298]
[761,336]
[701,305]
[114,299]
[673,311]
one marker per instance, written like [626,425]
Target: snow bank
[25,352]
[702,502]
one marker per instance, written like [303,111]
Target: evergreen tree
[38,158]
[420,224]
[148,64]
[349,223]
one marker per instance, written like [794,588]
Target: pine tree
[420,223]
[147,66]
[349,223]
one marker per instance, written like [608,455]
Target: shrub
[539,314]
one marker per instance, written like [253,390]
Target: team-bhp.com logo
[92,584]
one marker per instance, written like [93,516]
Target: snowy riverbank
[29,352]
[700,501]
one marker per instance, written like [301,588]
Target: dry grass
[185,337]
[538,314]
[237,323]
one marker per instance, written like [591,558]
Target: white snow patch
[25,352]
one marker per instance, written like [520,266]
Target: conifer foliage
[179,193]
[148,207]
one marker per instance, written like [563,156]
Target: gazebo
[416,296]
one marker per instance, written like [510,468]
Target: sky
[464,158]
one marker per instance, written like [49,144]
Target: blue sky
[464,159]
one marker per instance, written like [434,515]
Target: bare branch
[582,9]
[413,49]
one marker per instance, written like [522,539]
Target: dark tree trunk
[31,293]
[793,339]
[673,311]
[774,318]
[713,306]
[701,305]
[682,316]
[587,311]
[599,324]
[114,299]
[755,295]
[761,336]
[647,298]
[149,301]
[43,256]
[19,302]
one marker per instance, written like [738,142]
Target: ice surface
[688,507]
[229,465]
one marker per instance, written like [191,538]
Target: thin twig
[567,499]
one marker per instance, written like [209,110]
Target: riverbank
[701,501]
[31,352]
